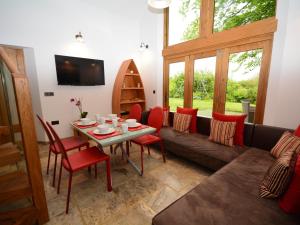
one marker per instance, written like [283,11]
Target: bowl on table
[112,116]
[103,129]
[85,121]
[132,123]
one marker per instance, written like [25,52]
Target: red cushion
[297,131]
[146,139]
[239,131]
[85,158]
[70,143]
[290,201]
[193,113]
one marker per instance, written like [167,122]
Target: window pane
[233,13]
[242,84]
[176,85]
[183,20]
[203,87]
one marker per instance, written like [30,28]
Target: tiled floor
[134,199]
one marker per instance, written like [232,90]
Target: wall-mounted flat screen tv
[79,71]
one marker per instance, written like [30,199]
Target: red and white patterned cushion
[222,132]
[182,122]
[278,176]
[287,142]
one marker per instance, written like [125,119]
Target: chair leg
[127,147]
[54,172]
[89,169]
[49,156]
[59,178]
[79,149]
[96,171]
[148,149]
[108,176]
[111,149]
[142,160]
[162,149]
[69,192]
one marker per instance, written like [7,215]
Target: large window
[176,85]
[242,83]
[203,85]
[184,20]
[234,13]
[208,65]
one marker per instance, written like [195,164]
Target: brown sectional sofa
[230,196]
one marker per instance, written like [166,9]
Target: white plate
[109,131]
[108,119]
[88,124]
[136,125]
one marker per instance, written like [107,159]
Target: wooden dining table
[117,140]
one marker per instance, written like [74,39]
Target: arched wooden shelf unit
[128,89]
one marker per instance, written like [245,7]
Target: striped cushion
[222,132]
[278,176]
[166,117]
[182,122]
[288,141]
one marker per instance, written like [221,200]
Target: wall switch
[55,122]
[153,91]
[47,94]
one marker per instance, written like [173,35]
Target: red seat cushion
[290,201]
[239,131]
[146,139]
[193,113]
[70,143]
[85,158]
[297,131]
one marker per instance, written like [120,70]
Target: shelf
[133,88]
[132,74]
[131,101]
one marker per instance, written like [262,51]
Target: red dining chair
[69,143]
[155,120]
[135,112]
[78,161]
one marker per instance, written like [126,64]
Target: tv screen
[79,71]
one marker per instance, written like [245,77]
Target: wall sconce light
[79,37]
[143,46]
[159,4]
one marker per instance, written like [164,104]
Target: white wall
[112,30]
[283,105]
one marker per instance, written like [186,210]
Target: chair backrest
[60,145]
[155,118]
[135,112]
[46,129]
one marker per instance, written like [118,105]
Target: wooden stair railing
[19,185]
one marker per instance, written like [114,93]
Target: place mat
[137,128]
[110,121]
[85,126]
[100,137]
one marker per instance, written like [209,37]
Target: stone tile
[134,200]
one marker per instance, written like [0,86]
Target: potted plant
[78,103]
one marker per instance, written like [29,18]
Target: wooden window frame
[251,36]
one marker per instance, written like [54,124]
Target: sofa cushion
[266,137]
[222,132]
[277,178]
[230,196]
[198,148]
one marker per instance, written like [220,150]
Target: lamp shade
[159,4]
